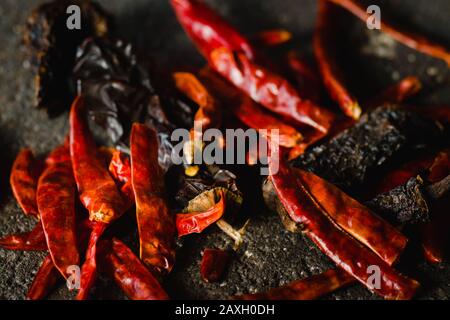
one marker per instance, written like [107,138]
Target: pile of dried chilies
[316,188]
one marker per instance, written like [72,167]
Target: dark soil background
[270,256]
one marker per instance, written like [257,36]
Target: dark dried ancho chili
[130,274]
[120,92]
[53,46]
[23,179]
[56,202]
[156,224]
[309,288]
[354,155]
[44,281]
[214,263]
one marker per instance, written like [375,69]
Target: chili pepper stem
[236,235]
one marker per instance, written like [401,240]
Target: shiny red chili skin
[97,190]
[56,202]
[156,224]
[214,263]
[44,281]
[28,241]
[343,250]
[130,274]
[23,179]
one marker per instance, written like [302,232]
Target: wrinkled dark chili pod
[130,274]
[196,222]
[356,219]
[359,152]
[155,222]
[309,288]
[23,179]
[56,202]
[324,43]
[345,251]
[412,40]
[89,268]
[44,281]
[98,191]
[53,45]
[213,265]
[28,241]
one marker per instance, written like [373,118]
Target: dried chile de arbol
[354,155]
[130,274]
[231,58]
[156,224]
[324,49]
[344,250]
[309,288]
[53,45]
[44,281]
[356,219]
[33,240]
[213,265]
[56,202]
[412,40]
[23,179]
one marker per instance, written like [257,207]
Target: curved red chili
[56,202]
[345,251]
[309,288]
[97,189]
[44,281]
[89,268]
[209,30]
[28,241]
[331,74]
[156,224]
[24,176]
[196,222]
[271,38]
[412,40]
[131,275]
[396,93]
[269,89]
[359,221]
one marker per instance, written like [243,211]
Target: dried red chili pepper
[356,219]
[345,251]
[196,222]
[155,222]
[56,203]
[412,40]
[213,265]
[440,167]
[309,288]
[397,93]
[98,191]
[331,74]
[120,168]
[24,176]
[208,30]
[28,241]
[89,268]
[44,281]
[307,81]
[131,275]
[269,89]
[271,38]
[252,116]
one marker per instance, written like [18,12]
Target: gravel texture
[270,256]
